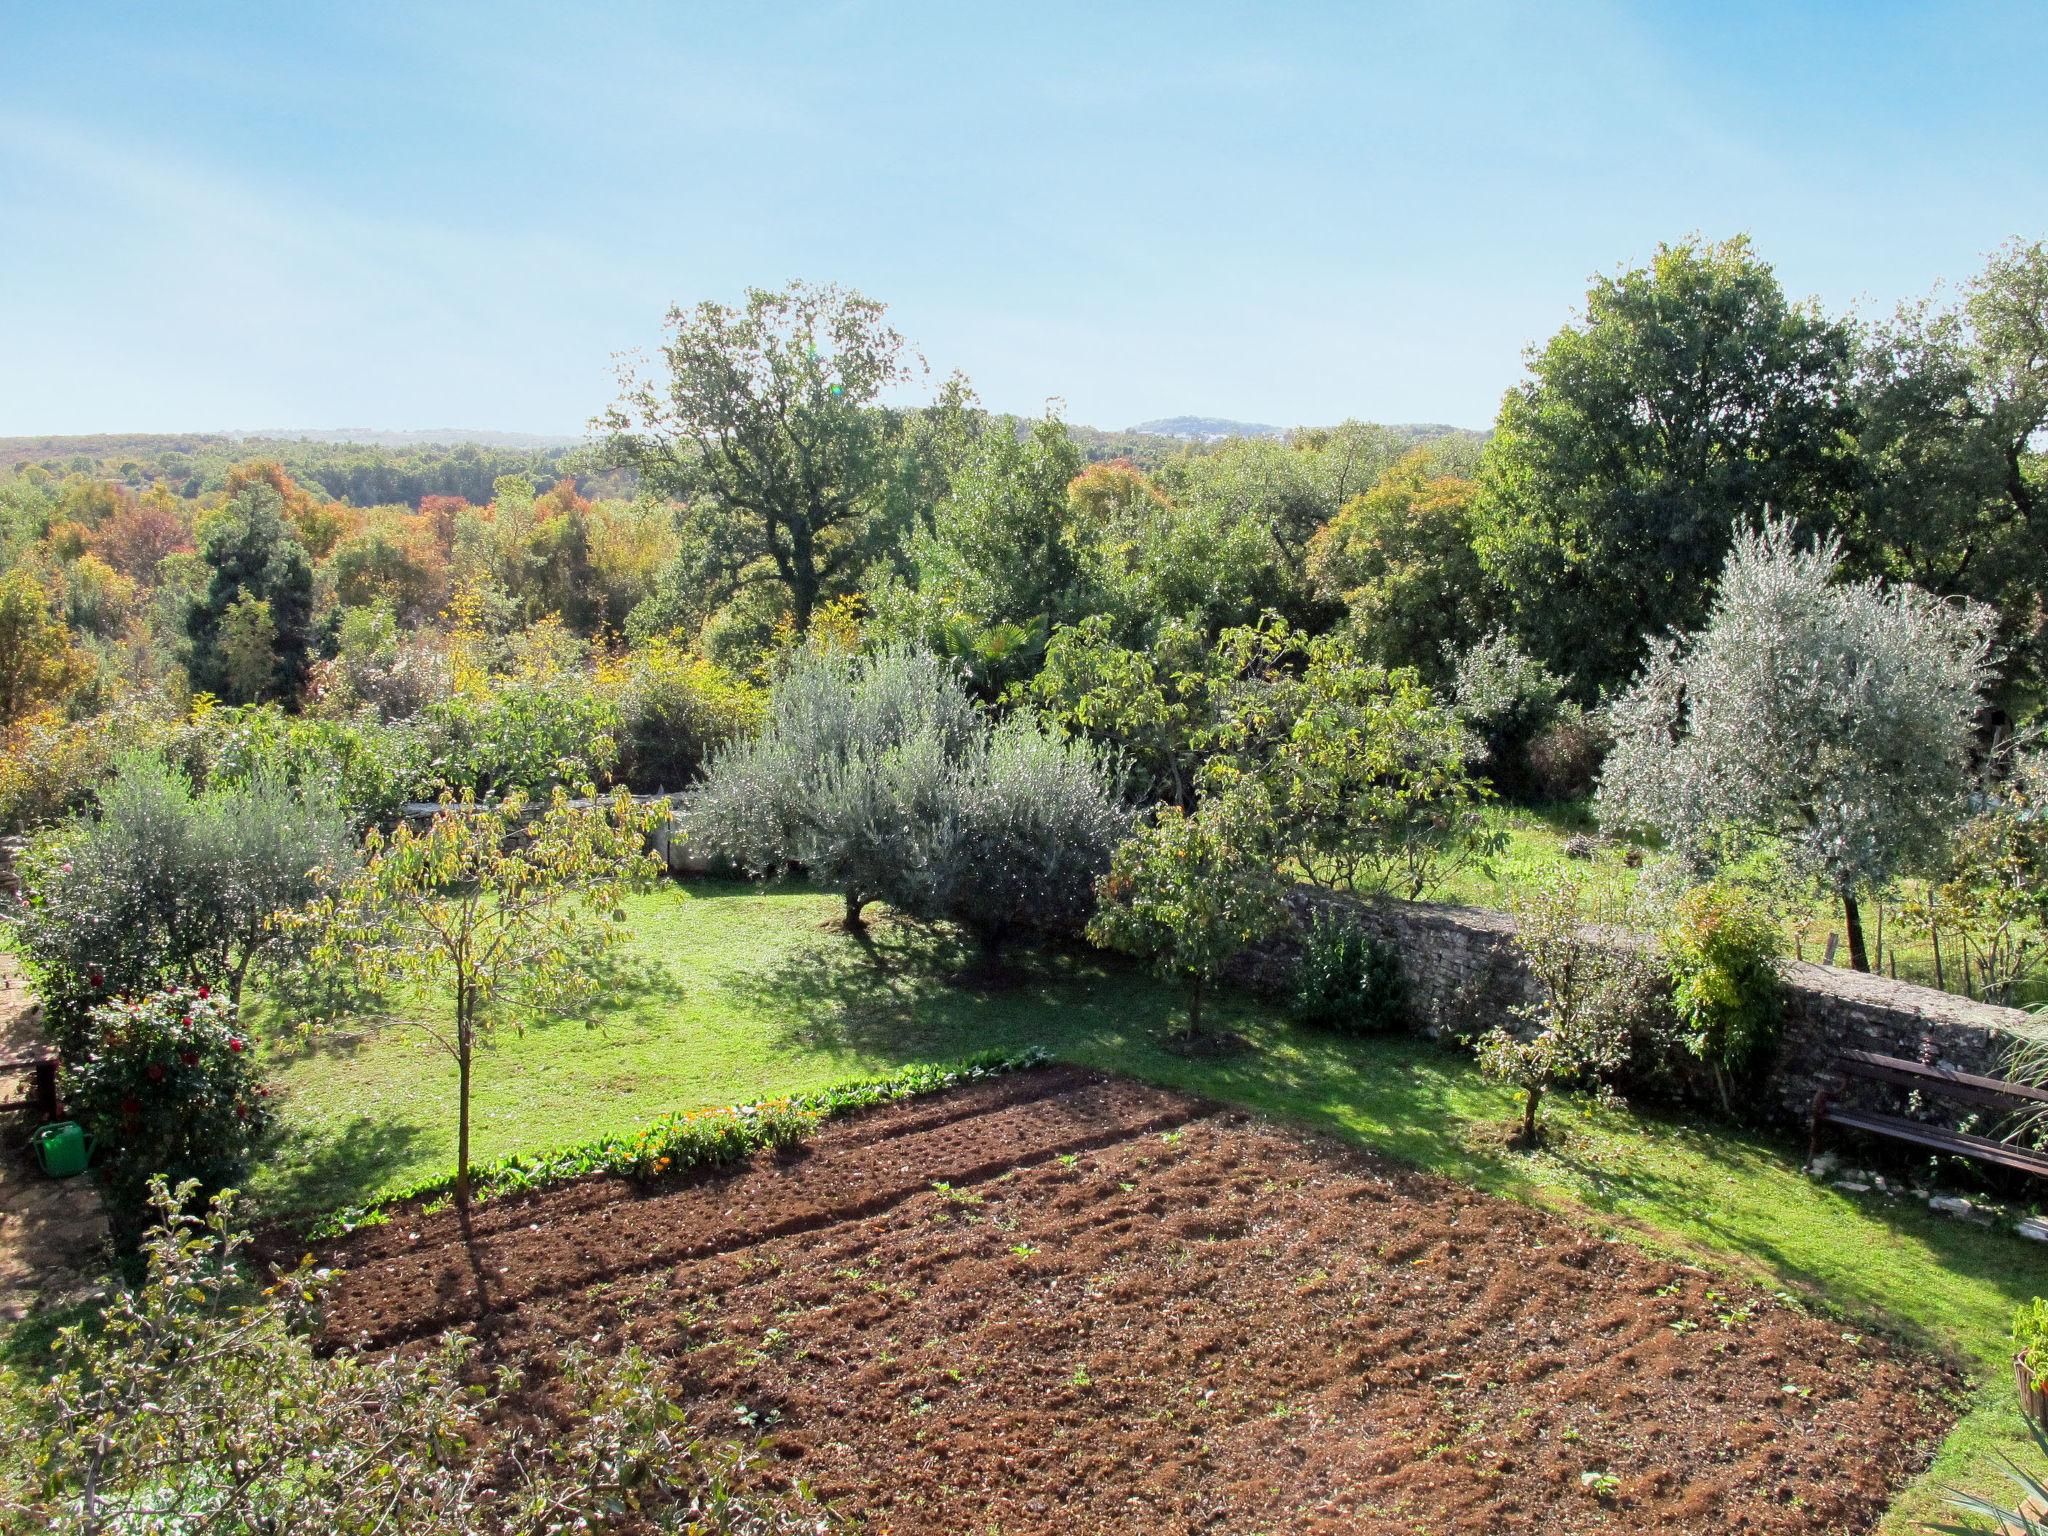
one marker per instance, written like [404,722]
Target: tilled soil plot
[1062,1302]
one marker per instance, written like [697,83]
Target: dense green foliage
[169,885]
[1722,946]
[166,1085]
[1348,980]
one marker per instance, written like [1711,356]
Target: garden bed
[1054,1300]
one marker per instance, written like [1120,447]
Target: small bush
[167,1089]
[1348,980]
[1563,758]
[1723,947]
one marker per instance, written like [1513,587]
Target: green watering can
[62,1149]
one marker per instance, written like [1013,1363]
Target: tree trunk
[1529,1108]
[854,902]
[462,1123]
[1195,1009]
[1852,919]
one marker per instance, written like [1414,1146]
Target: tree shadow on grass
[313,1172]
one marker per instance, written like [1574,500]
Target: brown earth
[1062,1302]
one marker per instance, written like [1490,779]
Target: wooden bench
[1943,1082]
[42,1097]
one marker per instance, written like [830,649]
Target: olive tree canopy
[1831,718]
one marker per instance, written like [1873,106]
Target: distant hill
[1203,429]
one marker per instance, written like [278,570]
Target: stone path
[52,1231]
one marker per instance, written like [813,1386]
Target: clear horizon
[418,220]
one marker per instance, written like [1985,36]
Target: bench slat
[1939,1140]
[1938,1079]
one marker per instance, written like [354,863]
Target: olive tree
[173,885]
[850,778]
[1831,719]
[1040,819]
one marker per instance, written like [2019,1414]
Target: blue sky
[431,215]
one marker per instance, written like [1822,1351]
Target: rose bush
[166,1085]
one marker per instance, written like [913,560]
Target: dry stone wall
[1463,975]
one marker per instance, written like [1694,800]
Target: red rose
[156,1073]
[96,978]
[190,1058]
[235,1044]
[205,991]
[131,1107]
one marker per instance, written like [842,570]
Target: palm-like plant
[2030,1518]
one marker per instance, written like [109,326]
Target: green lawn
[733,992]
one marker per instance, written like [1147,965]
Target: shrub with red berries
[166,1083]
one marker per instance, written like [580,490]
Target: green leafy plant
[167,1089]
[1349,980]
[1593,990]
[1722,947]
[1191,893]
[2030,1341]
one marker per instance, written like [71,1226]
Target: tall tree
[1401,558]
[998,566]
[255,568]
[773,412]
[1689,400]
[37,660]
[1954,401]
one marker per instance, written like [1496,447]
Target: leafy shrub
[1507,698]
[1596,995]
[675,709]
[1349,980]
[369,768]
[2030,1340]
[169,886]
[1188,894]
[525,734]
[166,1087]
[1722,946]
[51,767]
[1563,758]
[193,1404]
[379,669]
